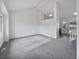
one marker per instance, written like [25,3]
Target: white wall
[6,27]
[5,16]
[0,28]
[78,40]
[24,22]
[0,25]
[5,31]
[1,40]
[78,30]
[0,7]
[49,27]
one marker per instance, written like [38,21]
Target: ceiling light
[75,13]
[50,15]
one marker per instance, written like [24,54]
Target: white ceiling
[13,5]
[46,6]
[68,7]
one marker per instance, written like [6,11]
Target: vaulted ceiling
[67,6]
[45,6]
[13,5]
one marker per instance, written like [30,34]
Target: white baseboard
[48,36]
[52,37]
[24,36]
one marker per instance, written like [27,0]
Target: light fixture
[75,13]
[50,15]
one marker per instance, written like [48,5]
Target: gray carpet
[39,47]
